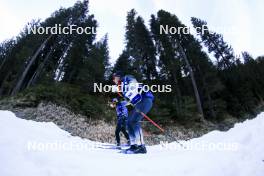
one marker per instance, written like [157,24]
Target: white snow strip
[43,149]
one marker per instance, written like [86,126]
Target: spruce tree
[215,43]
[174,46]
[124,64]
[140,47]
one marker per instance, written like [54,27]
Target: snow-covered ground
[29,148]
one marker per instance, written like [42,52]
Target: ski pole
[149,119]
[145,116]
[155,124]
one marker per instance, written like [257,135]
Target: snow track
[37,148]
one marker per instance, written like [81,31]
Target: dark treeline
[201,88]
[75,59]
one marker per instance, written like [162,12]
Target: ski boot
[131,149]
[141,149]
[118,146]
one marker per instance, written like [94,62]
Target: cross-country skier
[122,114]
[141,102]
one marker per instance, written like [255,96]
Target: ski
[113,147]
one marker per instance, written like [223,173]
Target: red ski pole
[145,116]
[149,119]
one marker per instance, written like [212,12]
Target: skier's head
[114,102]
[117,76]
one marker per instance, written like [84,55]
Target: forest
[210,82]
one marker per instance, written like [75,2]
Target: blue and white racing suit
[142,102]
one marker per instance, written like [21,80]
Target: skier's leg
[134,127]
[141,137]
[123,129]
[144,106]
[131,131]
[138,131]
[130,126]
[117,131]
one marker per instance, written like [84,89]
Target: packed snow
[36,148]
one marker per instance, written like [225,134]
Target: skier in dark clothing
[122,114]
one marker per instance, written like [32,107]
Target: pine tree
[124,64]
[215,43]
[172,52]
[140,47]
[247,57]
[44,57]
[106,58]
[21,80]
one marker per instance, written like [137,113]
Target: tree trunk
[3,70]
[39,69]
[2,63]
[208,96]
[197,96]
[61,63]
[178,99]
[25,72]
[210,104]
[3,82]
